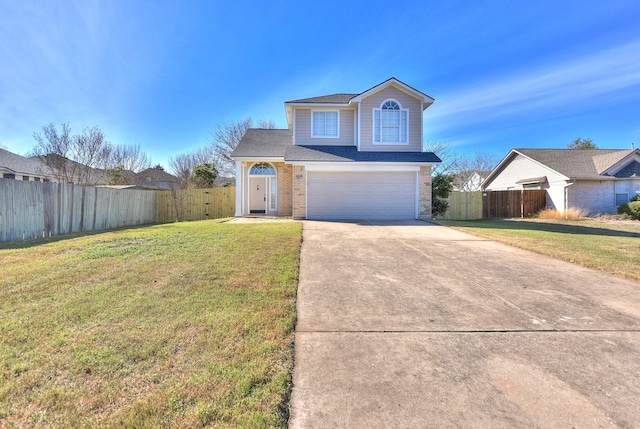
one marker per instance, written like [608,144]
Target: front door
[258,195]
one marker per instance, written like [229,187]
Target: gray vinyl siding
[414,105]
[521,168]
[303,128]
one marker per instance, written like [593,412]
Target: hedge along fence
[41,209]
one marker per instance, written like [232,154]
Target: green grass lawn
[611,248]
[180,325]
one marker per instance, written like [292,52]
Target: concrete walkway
[413,325]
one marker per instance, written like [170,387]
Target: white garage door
[361,195]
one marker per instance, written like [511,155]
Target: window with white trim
[390,123]
[622,192]
[325,124]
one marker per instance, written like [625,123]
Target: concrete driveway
[414,325]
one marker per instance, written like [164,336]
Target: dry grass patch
[569,214]
[181,325]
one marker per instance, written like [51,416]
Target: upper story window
[325,124]
[390,123]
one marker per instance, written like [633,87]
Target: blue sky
[163,74]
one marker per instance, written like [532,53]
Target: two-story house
[343,156]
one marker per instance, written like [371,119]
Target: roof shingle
[577,163]
[276,143]
[326,99]
[263,143]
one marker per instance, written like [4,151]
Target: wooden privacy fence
[515,203]
[196,204]
[41,209]
[463,206]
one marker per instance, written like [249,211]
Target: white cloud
[575,81]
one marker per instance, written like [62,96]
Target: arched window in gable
[390,123]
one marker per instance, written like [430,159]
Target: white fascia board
[320,104]
[361,167]
[426,99]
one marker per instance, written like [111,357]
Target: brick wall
[424,205]
[594,196]
[299,209]
[285,189]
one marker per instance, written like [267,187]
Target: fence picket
[42,209]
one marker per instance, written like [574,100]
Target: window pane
[390,118]
[621,199]
[403,127]
[331,124]
[390,134]
[318,123]
[377,125]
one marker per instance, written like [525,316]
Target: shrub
[441,186]
[630,210]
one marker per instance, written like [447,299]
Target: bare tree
[124,161]
[182,166]
[446,153]
[225,139]
[129,158]
[467,165]
[73,158]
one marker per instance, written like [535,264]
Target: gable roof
[631,170]
[21,165]
[345,99]
[426,99]
[575,164]
[157,175]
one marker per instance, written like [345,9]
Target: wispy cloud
[560,85]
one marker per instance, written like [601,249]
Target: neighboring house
[343,156]
[597,180]
[154,178]
[471,181]
[13,166]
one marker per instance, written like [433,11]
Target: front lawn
[611,248]
[180,325]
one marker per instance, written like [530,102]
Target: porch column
[239,183]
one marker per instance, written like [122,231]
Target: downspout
[566,197]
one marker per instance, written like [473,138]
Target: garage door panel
[361,195]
